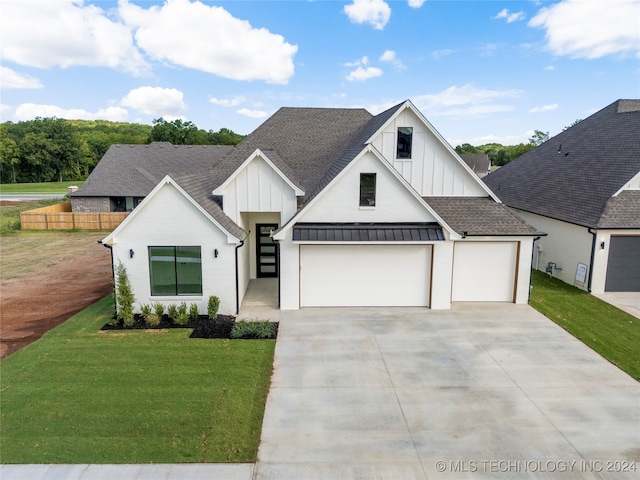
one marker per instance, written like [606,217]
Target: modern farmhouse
[344,208]
[582,187]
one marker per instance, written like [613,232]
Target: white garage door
[364,275]
[484,271]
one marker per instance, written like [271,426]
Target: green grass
[611,332]
[10,213]
[43,188]
[78,395]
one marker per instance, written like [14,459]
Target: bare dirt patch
[45,278]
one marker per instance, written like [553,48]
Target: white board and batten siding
[170,219]
[432,169]
[258,188]
[365,275]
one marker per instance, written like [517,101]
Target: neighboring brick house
[582,187]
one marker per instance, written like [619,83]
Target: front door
[266,251]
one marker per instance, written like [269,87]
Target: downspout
[113,278]
[593,256]
[533,252]
[237,270]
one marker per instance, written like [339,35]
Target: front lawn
[79,395]
[42,188]
[611,332]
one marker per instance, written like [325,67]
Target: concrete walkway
[627,301]
[491,390]
[481,391]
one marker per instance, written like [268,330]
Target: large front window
[175,270]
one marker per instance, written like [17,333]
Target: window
[405,136]
[367,189]
[175,270]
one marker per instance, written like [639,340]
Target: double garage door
[364,275]
[400,275]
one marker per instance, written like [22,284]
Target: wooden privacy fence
[60,217]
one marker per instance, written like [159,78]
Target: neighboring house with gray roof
[127,173]
[342,207]
[478,162]
[582,187]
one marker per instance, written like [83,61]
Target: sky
[480,71]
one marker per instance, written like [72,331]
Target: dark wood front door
[266,251]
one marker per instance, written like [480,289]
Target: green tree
[9,156]
[224,136]
[538,137]
[177,132]
[574,123]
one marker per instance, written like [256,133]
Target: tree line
[503,154]
[55,149]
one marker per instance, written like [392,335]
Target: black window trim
[175,267]
[368,200]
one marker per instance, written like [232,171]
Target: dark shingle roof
[303,142]
[199,188]
[573,176]
[367,232]
[478,162]
[134,170]
[622,211]
[479,216]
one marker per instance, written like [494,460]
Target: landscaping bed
[223,326]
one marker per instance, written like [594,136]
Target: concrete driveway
[481,391]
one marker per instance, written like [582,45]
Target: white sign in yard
[581,273]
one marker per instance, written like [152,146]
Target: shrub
[150,317]
[244,329]
[158,308]
[172,312]
[124,296]
[193,312]
[212,307]
[183,317]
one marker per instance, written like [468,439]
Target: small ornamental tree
[124,296]
[212,307]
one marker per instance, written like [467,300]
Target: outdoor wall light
[131,253]
[215,253]
[601,245]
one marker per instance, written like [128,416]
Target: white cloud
[362,61]
[438,54]
[591,29]
[208,38]
[227,102]
[549,67]
[66,33]
[29,111]
[252,113]
[416,3]
[374,12]
[361,74]
[466,100]
[510,17]
[544,108]
[388,56]
[12,79]
[165,102]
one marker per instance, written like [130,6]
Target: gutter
[237,281]
[277,242]
[533,252]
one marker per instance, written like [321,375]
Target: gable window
[175,270]
[405,137]
[367,189]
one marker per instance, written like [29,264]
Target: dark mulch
[204,327]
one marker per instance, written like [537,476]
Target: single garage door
[364,275]
[484,271]
[623,267]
